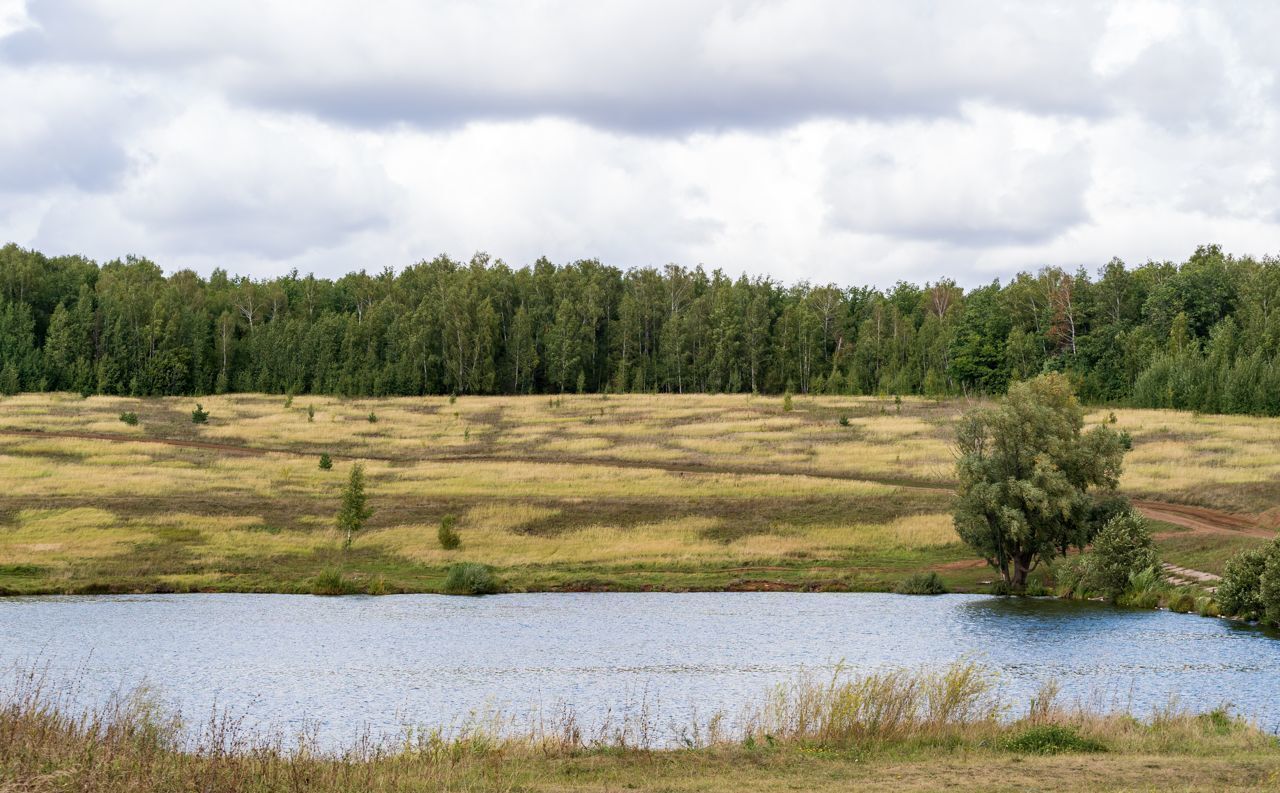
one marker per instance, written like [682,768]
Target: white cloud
[990,178]
[13,17]
[847,141]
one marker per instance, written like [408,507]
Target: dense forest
[1200,335]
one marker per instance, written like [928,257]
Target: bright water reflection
[338,664]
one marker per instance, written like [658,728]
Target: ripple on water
[341,664]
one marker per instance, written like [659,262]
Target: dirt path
[1203,520]
[1197,519]
[683,467]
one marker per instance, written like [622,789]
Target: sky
[822,140]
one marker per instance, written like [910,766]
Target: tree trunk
[1021,567]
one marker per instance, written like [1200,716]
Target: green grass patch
[1051,739]
[470,578]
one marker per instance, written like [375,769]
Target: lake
[339,665]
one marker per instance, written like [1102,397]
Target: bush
[1207,606]
[1143,591]
[1239,592]
[373,417]
[199,415]
[1269,585]
[1122,549]
[1051,739]
[1182,602]
[326,462]
[921,584]
[449,538]
[786,402]
[844,421]
[1070,576]
[470,578]
[129,418]
[330,581]
[311,412]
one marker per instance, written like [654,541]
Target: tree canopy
[1025,470]
[1201,335]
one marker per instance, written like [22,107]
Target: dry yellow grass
[583,480]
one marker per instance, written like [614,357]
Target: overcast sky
[856,142]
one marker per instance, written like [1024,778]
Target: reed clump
[877,707]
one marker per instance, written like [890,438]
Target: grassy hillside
[575,492]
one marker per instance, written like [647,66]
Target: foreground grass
[580,492]
[891,730]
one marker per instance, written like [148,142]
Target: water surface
[336,665]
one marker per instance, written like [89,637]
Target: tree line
[1199,334]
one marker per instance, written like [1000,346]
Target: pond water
[339,665]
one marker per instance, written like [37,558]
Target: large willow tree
[1026,467]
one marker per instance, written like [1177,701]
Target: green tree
[9,384]
[355,506]
[1269,585]
[1239,592]
[1122,549]
[1025,469]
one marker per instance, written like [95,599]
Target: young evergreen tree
[355,506]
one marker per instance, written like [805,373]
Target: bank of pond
[336,667]
[588,690]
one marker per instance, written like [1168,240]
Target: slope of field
[575,492]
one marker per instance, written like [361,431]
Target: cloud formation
[855,141]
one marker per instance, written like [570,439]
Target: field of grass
[575,492]
[926,730]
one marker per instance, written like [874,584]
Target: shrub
[199,415]
[844,421]
[1051,739]
[288,400]
[1144,589]
[326,462]
[1070,575]
[453,398]
[470,578]
[1036,588]
[1239,593]
[786,402]
[311,412]
[1269,585]
[129,418]
[1207,606]
[921,584]
[330,581]
[449,538]
[1182,602]
[373,417]
[1121,550]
